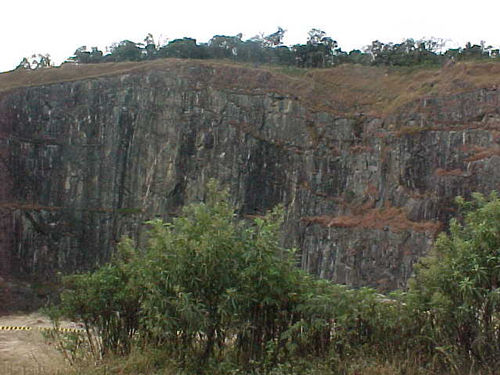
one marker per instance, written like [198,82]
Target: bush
[221,295]
[211,279]
[204,280]
[457,285]
[107,302]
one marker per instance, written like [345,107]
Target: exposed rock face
[85,162]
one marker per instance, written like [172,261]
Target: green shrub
[457,285]
[107,302]
[211,279]
[221,295]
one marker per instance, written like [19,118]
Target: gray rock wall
[86,162]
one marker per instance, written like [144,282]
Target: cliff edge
[366,160]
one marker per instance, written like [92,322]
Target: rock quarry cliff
[366,161]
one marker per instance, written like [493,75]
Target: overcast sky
[58,27]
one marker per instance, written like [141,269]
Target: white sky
[58,27]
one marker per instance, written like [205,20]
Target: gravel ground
[29,352]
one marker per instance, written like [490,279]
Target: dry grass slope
[344,90]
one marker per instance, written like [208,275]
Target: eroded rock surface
[87,161]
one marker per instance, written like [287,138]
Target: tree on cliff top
[318,52]
[36,61]
[126,50]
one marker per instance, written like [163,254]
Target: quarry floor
[29,352]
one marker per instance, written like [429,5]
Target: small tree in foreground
[210,278]
[106,301]
[457,285]
[203,279]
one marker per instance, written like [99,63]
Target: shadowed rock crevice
[87,161]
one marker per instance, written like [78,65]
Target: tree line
[319,51]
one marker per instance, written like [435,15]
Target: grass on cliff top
[344,89]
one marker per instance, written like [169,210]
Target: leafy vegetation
[457,285]
[35,62]
[319,51]
[214,294]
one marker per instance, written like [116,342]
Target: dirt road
[28,352]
